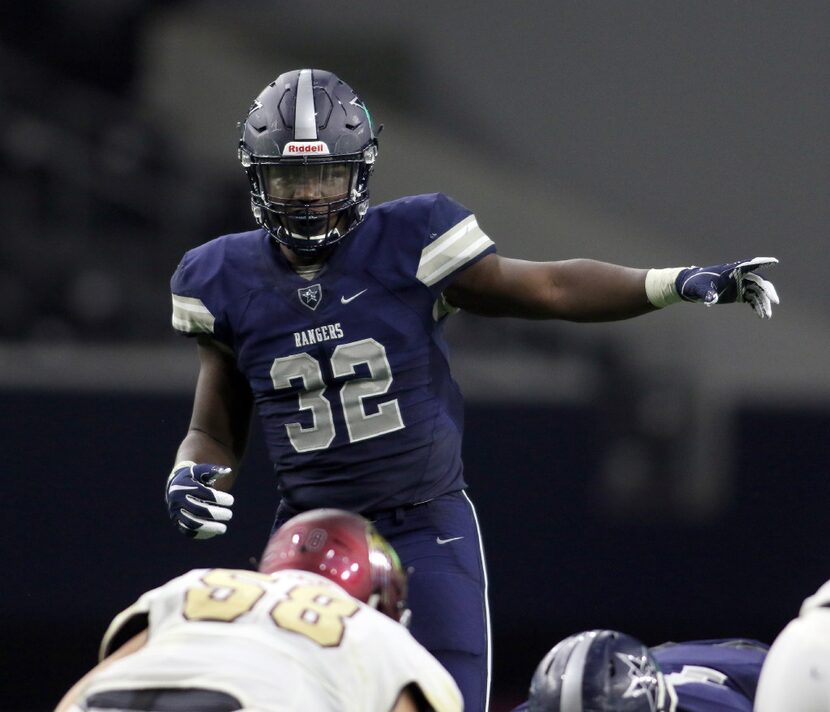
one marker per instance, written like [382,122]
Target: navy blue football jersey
[712,675]
[708,675]
[349,369]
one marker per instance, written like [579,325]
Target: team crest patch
[311,296]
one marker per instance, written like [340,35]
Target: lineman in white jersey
[796,674]
[279,639]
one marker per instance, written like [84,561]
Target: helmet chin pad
[311,243]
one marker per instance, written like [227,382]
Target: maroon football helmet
[345,548]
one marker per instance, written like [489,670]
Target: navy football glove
[198,509]
[731,282]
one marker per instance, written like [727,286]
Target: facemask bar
[306,226]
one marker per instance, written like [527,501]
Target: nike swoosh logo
[439,540]
[176,488]
[346,300]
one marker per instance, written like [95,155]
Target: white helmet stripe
[571,700]
[305,123]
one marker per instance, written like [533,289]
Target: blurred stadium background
[665,476]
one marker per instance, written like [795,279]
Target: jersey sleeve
[196,301]
[453,242]
[733,663]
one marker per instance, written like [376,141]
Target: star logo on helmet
[311,296]
[642,680]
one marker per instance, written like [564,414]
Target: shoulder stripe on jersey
[191,316]
[457,246]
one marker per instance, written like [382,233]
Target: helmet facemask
[308,205]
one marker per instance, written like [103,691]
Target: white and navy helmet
[598,671]
[308,147]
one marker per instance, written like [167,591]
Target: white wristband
[660,286]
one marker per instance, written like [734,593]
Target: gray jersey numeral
[305,367]
[344,362]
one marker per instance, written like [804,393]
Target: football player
[328,319]
[318,627]
[609,671]
[796,673]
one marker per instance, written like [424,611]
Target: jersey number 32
[344,362]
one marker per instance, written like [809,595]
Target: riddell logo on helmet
[296,148]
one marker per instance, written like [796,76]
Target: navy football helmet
[599,671]
[308,147]
[345,548]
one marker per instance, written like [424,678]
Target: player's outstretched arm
[576,290]
[208,457]
[588,290]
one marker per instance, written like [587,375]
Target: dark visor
[307,181]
